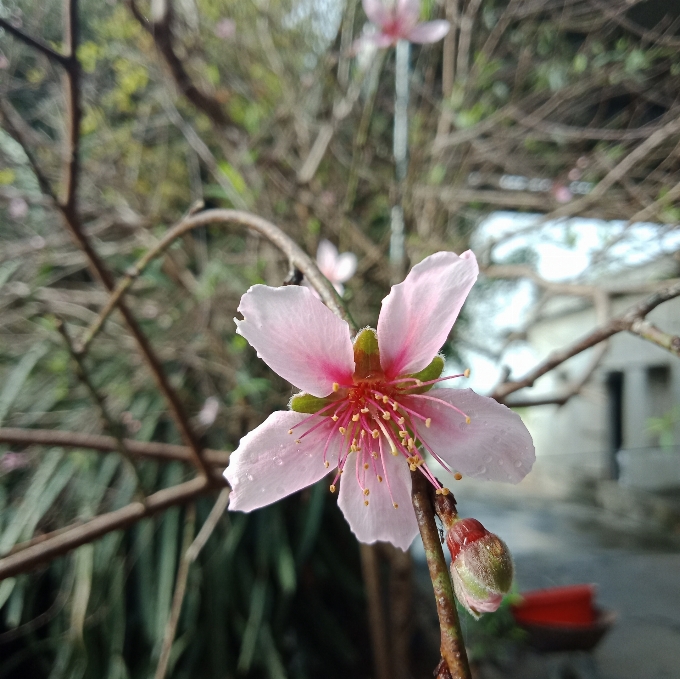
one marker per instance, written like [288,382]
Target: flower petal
[345,266]
[417,316]
[376,11]
[430,31]
[268,465]
[495,446]
[408,12]
[380,520]
[298,337]
[326,258]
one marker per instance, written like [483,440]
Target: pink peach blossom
[337,268]
[398,20]
[365,409]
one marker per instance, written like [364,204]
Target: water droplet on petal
[482,470]
[518,464]
[501,461]
[249,477]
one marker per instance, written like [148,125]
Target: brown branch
[452,646]
[161,32]
[26,559]
[108,444]
[297,258]
[651,333]
[633,318]
[34,43]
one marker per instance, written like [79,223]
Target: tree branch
[629,321]
[452,646]
[108,444]
[297,258]
[34,43]
[26,559]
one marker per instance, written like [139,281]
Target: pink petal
[430,31]
[408,13]
[376,11]
[417,316]
[496,445]
[380,520]
[345,266]
[268,465]
[326,258]
[298,337]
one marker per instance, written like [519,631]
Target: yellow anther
[298,441]
[374,456]
[342,471]
[458,476]
[401,421]
[366,502]
[394,452]
[327,464]
[342,430]
[403,434]
[395,505]
[366,491]
[428,422]
[386,398]
[375,433]
[445,491]
[467,372]
[394,405]
[438,491]
[336,386]
[467,420]
[290,431]
[363,433]
[335,418]
[355,417]
[379,478]
[412,467]
[386,416]
[332,488]
[365,465]
[355,442]
[352,449]
[410,443]
[364,410]
[418,383]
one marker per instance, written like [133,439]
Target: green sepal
[306,403]
[432,372]
[366,355]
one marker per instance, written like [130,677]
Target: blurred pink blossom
[225,29]
[562,193]
[18,208]
[398,20]
[209,411]
[11,461]
[337,268]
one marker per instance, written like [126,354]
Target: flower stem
[452,645]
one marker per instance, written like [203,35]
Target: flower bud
[481,566]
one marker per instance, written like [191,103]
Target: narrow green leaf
[12,386]
[258,598]
[306,403]
[432,372]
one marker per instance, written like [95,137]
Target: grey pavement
[637,573]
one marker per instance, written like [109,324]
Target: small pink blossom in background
[209,411]
[365,412]
[398,20]
[225,29]
[562,193]
[18,208]
[337,268]
[11,461]
[574,174]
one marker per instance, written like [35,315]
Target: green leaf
[15,381]
[306,403]
[431,372]
[366,355]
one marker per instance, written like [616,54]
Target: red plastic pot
[560,606]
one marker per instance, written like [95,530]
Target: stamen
[441,402]
[375,433]
[342,430]
[355,417]
[385,399]
[335,418]
[332,488]
[364,410]
[366,491]
[290,431]
[386,415]
[379,477]
[467,420]
[298,441]
[467,372]
[366,502]
[366,465]
[428,422]
[326,464]
[336,386]
[458,476]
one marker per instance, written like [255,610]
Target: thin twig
[190,551]
[108,444]
[297,258]
[630,321]
[26,559]
[34,43]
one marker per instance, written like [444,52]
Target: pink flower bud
[481,566]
